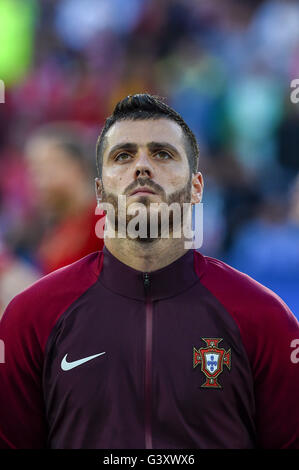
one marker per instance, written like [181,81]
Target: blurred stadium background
[225,65]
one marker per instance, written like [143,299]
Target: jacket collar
[165,282]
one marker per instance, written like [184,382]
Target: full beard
[180,197]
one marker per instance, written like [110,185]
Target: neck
[148,256]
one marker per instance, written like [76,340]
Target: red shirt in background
[70,240]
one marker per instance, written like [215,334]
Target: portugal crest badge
[212,359]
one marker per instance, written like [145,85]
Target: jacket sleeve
[268,329]
[22,419]
[25,328]
[275,365]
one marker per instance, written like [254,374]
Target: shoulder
[38,307]
[237,290]
[62,283]
[261,315]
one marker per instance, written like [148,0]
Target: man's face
[53,172]
[146,161]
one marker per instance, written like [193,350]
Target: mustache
[144,182]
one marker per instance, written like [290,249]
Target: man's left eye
[162,155]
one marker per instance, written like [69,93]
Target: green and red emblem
[212,359]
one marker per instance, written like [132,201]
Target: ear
[98,188]
[197,188]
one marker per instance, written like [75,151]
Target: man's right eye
[122,157]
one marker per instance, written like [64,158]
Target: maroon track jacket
[193,355]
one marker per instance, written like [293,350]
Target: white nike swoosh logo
[70,365]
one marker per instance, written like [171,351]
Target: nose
[143,166]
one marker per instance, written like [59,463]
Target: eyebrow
[152,146]
[124,146]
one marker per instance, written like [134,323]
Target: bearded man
[148,344]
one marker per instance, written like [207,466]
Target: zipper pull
[146,280]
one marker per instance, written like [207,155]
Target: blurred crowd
[225,65]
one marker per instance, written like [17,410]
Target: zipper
[148,362]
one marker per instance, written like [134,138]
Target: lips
[142,190]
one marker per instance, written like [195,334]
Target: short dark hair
[145,106]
